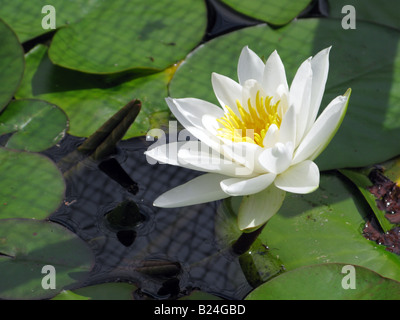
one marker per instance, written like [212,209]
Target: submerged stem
[244,242]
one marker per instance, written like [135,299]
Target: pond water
[167,253]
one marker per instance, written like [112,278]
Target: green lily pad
[36,125]
[122,35]
[392,169]
[104,291]
[326,227]
[328,282]
[25,17]
[31,186]
[322,227]
[361,180]
[11,64]
[384,12]
[69,295]
[365,59]
[90,100]
[274,12]
[32,252]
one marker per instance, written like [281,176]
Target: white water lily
[261,143]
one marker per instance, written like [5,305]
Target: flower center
[252,125]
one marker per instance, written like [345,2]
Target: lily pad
[90,100]
[104,291]
[11,64]
[25,17]
[361,180]
[384,12]
[274,12]
[326,227]
[392,169]
[35,125]
[27,246]
[122,35]
[365,59]
[31,186]
[328,282]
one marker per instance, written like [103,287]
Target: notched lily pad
[90,100]
[34,125]
[31,186]
[365,59]
[274,12]
[333,281]
[104,291]
[12,64]
[27,246]
[326,227]
[122,35]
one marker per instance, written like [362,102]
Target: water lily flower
[261,143]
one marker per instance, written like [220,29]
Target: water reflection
[167,250]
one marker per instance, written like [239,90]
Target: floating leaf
[31,186]
[122,35]
[69,295]
[11,64]
[362,182]
[383,12]
[392,169]
[25,17]
[104,291]
[328,282]
[259,265]
[276,13]
[35,125]
[26,246]
[366,59]
[326,227]
[91,100]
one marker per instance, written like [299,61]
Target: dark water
[179,241]
[170,251]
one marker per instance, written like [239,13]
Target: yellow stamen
[251,126]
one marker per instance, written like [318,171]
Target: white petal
[278,158]
[249,93]
[198,156]
[281,94]
[250,66]
[257,209]
[300,97]
[165,153]
[240,187]
[323,130]
[274,75]
[204,188]
[227,91]
[300,178]
[287,132]
[271,137]
[190,111]
[244,153]
[320,69]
